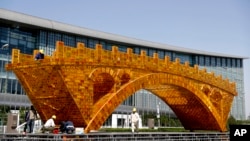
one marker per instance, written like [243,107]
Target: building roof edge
[54,25]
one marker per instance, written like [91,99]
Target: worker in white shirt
[49,125]
[134,119]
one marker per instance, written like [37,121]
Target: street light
[158,113]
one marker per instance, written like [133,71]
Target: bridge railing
[98,56]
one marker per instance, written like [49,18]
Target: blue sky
[221,26]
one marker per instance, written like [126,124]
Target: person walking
[134,119]
[30,117]
[26,118]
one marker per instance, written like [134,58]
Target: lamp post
[169,116]
[5,47]
[158,113]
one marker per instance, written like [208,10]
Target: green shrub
[177,129]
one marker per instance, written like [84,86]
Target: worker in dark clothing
[70,127]
[67,126]
[39,55]
[62,127]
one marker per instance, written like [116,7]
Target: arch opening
[186,101]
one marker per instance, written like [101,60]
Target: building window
[229,62]
[68,40]
[207,61]
[161,54]
[213,62]
[233,62]
[218,61]
[51,39]
[122,48]
[145,49]
[42,38]
[92,43]
[136,50]
[239,63]
[108,47]
[223,61]
[151,52]
[169,54]
[183,57]
[103,44]
[201,60]
[81,40]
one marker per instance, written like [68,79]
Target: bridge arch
[187,94]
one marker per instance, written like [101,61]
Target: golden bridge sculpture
[86,85]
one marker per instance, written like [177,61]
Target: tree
[22,115]
[231,121]
[4,110]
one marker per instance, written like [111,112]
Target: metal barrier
[142,136]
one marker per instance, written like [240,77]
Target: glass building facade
[28,36]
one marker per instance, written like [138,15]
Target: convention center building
[27,32]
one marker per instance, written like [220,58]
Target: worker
[30,117]
[49,125]
[134,119]
[67,126]
[39,55]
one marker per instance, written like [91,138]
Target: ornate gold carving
[86,85]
